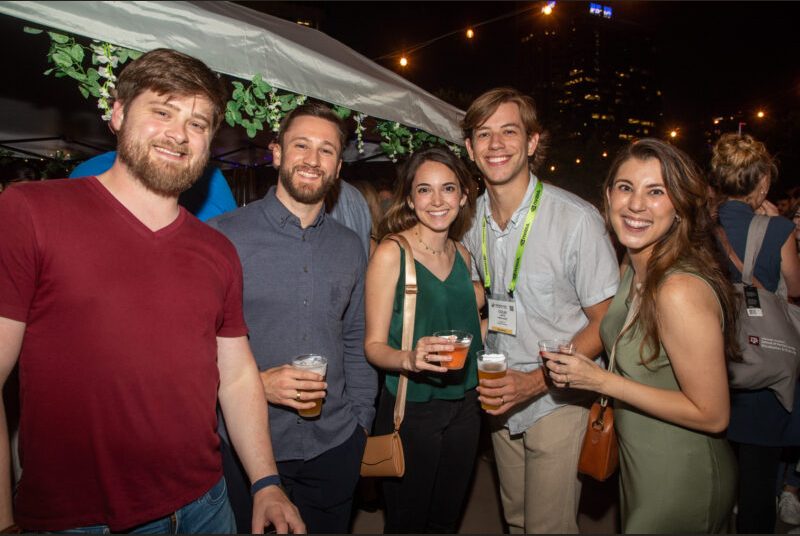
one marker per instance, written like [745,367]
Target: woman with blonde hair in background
[669,383]
[741,173]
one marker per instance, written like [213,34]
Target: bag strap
[757,240]
[633,309]
[409,308]
[755,237]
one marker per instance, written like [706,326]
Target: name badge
[502,315]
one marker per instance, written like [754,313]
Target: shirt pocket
[536,292]
[337,288]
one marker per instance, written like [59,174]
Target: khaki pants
[538,470]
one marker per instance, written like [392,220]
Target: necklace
[428,248]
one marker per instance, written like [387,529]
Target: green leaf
[79,76]
[95,91]
[76,52]
[387,148]
[238,85]
[230,119]
[238,115]
[92,75]
[62,59]
[342,112]
[134,54]
[47,72]
[251,132]
[84,92]
[258,93]
[58,38]
[232,105]
[60,74]
[248,109]
[258,124]
[122,55]
[32,31]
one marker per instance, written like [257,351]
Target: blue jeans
[210,514]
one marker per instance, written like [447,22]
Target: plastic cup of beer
[554,346]
[460,341]
[491,365]
[312,363]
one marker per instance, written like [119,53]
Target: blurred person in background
[741,173]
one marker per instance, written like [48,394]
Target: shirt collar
[276,211]
[521,210]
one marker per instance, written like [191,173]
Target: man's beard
[160,177]
[305,193]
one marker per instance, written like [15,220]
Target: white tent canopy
[240,42]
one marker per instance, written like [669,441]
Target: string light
[548,6]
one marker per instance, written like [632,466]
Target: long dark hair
[400,216]
[689,244]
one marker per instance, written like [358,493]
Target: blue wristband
[261,483]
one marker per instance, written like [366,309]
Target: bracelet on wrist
[261,483]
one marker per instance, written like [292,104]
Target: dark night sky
[715,56]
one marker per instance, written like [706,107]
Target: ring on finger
[502,399]
[297,396]
[425,358]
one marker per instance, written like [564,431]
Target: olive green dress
[672,479]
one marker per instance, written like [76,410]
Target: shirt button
[305,269]
[299,420]
[305,302]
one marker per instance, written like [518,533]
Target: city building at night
[593,74]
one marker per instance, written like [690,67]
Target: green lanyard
[523,240]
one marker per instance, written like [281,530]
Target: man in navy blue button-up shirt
[304,293]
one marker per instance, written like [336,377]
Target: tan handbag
[383,455]
[600,451]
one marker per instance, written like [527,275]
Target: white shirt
[568,264]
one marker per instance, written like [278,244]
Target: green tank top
[441,305]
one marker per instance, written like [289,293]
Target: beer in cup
[554,346]
[312,363]
[491,365]
[461,341]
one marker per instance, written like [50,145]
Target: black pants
[322,488]
[758,469]
[440,442]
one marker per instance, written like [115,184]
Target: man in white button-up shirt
[566,274]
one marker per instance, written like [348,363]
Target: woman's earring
[677,219]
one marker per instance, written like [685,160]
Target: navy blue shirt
[304,293]
[757,417]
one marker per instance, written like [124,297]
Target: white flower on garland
[359,119]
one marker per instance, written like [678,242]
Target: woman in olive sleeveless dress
[672,479]
[671,328]
[430,209]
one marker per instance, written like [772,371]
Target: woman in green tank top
[669,383]
[432,208]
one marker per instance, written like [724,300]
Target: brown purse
[383,455]
[599,457]
[600,451]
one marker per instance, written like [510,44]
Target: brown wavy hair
[738,163]
[400,216]
[689,245]
[485,105]
[169,72]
